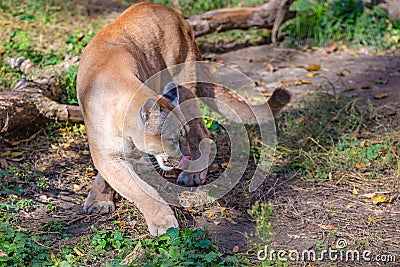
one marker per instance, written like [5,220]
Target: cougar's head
[162,130]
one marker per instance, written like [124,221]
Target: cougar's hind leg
[100,198]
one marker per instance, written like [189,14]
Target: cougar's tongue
[183,163]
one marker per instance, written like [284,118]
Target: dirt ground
[307,212]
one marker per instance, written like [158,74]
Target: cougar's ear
[171,93]
[149,106]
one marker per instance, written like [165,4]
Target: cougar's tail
[234,108]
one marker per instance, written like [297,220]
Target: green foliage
[105,240]
[184,248]
[69,82]
[43,183]
[320,21]
[18,249]
[262,213]
[11,177]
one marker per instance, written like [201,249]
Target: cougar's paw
[99,206]
[192,178]
[162,221]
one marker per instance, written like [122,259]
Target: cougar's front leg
[116,171]
[197,173]
[100,198]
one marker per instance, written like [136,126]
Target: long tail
[234,108]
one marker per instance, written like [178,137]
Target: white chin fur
[160,161]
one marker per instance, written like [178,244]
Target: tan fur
[142,41]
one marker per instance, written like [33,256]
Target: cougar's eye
[175,141]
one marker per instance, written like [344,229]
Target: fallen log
[21,109]
[34,100]
[269,15]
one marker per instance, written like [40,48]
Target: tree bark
[35,99]
[269,15]
[21,109]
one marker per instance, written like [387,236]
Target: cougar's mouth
[166,165]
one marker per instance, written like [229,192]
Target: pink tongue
[183,163]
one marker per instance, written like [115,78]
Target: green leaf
[173,232]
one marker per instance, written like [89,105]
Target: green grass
[321,22]
[330,138]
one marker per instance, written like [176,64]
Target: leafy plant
[105,240]
[18,249]
[183,248]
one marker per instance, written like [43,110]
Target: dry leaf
[328,227]
[366,86]
[302,81]
[311,74]
[77,187]
[343,72]
[270,68]
[53,258]
[381,95]
[355,192]
[43,168]
[78,252]
[210,214]
[90,174]
[235,249]
[362,165]
[225,165]
[380,198]
[313,67]
[284,84]
[267,94]
[331,49]
[214,69]
[136,252]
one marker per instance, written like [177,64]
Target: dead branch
[270,15]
